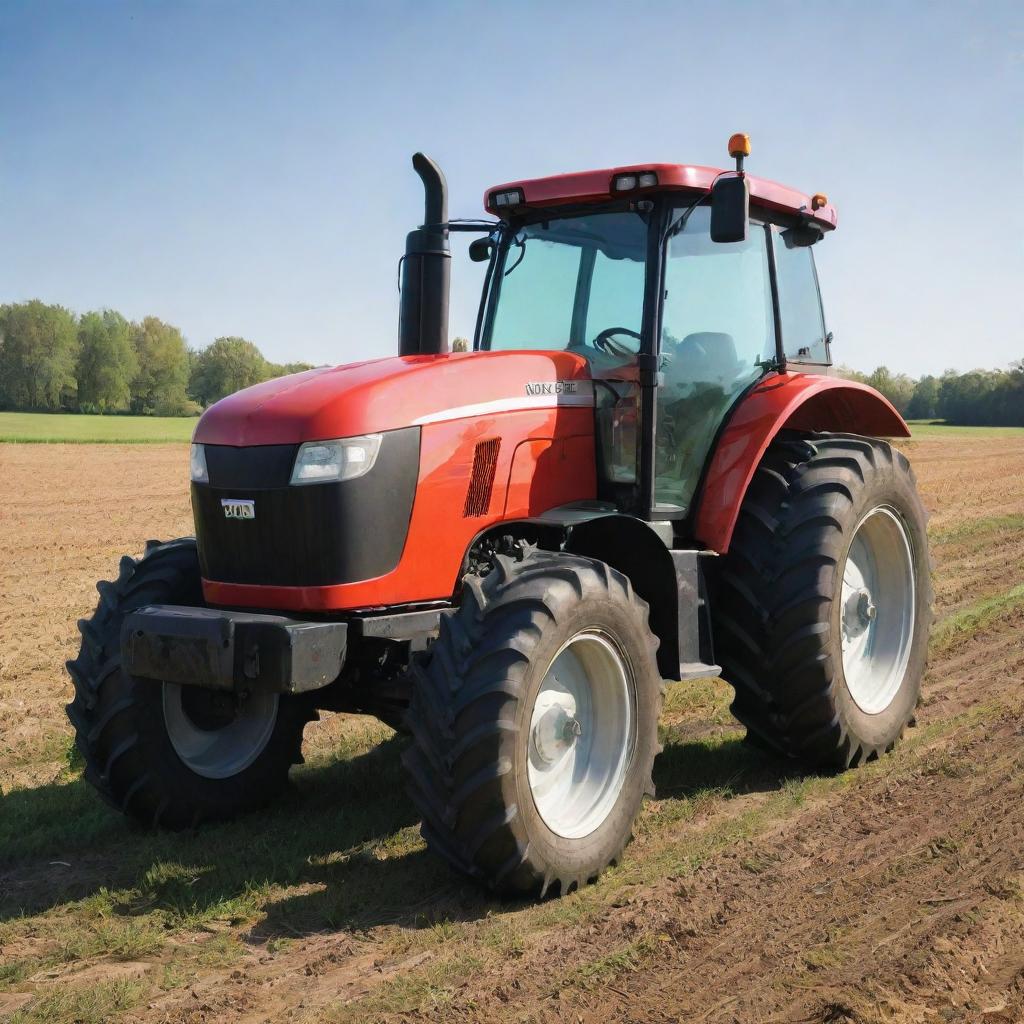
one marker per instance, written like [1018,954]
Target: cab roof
[596,186]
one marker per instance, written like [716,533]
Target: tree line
[977,398]
[100,362]
[51,359]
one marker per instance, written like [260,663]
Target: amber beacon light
[739,147]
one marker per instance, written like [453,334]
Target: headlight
[347,458]
[197,458]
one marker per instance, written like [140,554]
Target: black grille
[261,466]
[309,535]
[481,483]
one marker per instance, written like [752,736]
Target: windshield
[571,283]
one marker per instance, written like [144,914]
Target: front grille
[259,466]
[308,535]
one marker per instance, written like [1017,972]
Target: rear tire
[534,724]
[155,751]
[822,607]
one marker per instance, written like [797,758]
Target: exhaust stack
[426,270]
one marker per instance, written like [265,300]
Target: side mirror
[730,207]
[480,250]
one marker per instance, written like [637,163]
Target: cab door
[716,338]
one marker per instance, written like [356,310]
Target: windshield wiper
[519,240]
[680,225]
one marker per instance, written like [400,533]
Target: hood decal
[539,395]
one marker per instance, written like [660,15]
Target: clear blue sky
[243,168]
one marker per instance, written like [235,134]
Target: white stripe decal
[520,404]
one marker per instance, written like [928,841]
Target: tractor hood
[387,394]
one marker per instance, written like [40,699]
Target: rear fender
[795,401]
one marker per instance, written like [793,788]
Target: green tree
[964,397]
[225,366]
[38,347]
[924,403]
[284,369]
[897,387]
[1008,404]
[162,377]
[847,373]
[460,345]
[107,362]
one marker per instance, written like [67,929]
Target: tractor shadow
[691,769]
[342,851]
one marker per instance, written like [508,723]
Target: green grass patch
[416,992]
[981,527]
[71,428]
[13,972]
[592,974]
[306,864]
[95,1004]
[964,624]
[938,428]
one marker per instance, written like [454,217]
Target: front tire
[822,607]
[170,755]
[534,724]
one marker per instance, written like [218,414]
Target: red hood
[386,394]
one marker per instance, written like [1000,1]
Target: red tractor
[641,473]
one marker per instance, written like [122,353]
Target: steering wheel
[605,344]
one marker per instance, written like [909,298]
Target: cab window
[803,327]
[572,283]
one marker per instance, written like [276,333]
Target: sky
[244,168]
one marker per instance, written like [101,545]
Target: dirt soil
[894,893]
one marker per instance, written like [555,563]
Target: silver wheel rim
[219,753]
[878,610]
[582,735]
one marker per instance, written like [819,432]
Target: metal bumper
[234,651]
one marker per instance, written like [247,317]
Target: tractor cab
[629,268]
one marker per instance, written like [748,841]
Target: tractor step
[698,670]
[232,651]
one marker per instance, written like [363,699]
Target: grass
[939,428]
[410,992]
[593,973]
[964,624]
[69,428]
[979,527]
[90,1005]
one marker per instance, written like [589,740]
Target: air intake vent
[485,462]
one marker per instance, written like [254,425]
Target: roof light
[510,197]
[628,182]
[818,200]
[739,145]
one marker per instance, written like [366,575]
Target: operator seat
[706,357]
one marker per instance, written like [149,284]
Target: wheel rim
[878,610]
[217,735]
[582,735]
